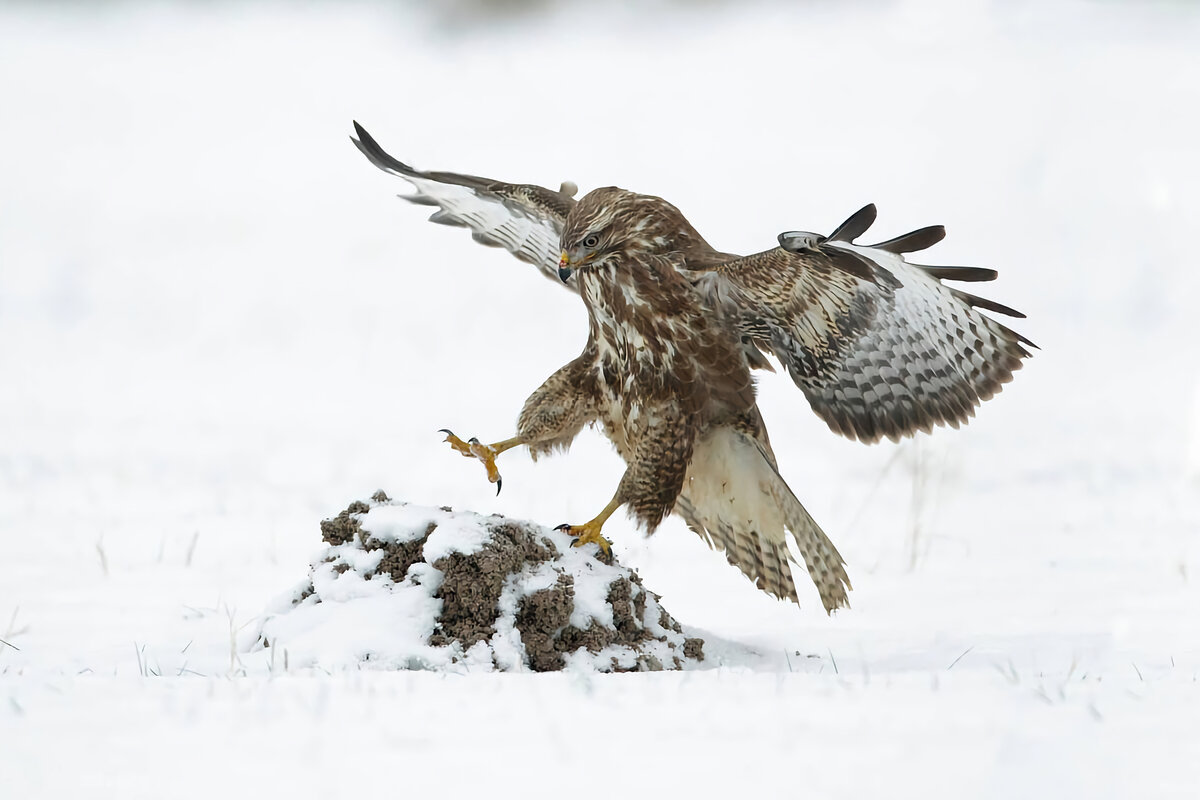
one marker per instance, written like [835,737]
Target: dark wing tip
[856,225]
[913,241]
[983,302]
[959,273]
[377,155]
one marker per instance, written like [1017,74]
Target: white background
[218,326]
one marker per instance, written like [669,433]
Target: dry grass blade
[960,657]
[191,551]
[101,554]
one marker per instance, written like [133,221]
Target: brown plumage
[878,346]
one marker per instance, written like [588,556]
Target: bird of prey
[879,346]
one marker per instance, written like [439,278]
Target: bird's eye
[591,241]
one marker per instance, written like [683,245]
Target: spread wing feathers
[735,499]
[856,226]
[879,346]
[922,239]
[524,219]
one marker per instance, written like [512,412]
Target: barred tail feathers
[735,499]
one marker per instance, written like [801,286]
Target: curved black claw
[499,483]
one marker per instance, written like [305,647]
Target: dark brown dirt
[472,584]
[540,618]
[398,556]
[343,527]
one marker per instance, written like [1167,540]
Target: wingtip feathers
[913,241]
[982,302]
[856,225]
[965,274]
[377,155]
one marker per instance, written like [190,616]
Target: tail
[735,499]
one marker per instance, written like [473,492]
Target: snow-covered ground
[218,326]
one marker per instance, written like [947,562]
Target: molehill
[410,587]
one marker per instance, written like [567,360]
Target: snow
[455,533]
[218,325]
[358,620]
[406,523]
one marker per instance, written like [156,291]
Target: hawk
[879,346]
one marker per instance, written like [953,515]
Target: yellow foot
[588,533]
[472,448]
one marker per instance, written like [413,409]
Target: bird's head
[608,225]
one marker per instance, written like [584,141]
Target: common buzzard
[879,346]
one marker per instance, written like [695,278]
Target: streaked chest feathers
[637,341]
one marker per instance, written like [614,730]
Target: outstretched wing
[524,219]
[879,346]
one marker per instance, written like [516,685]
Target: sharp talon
[446,431]
[472,440]
[499,483]
[563,527]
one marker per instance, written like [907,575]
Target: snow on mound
[409,587]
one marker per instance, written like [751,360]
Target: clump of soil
[500,593]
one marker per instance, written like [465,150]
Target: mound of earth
[411,587]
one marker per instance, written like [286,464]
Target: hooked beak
[564,270]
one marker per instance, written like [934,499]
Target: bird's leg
[651,482]
[589,532]
[550,418]
[486,453]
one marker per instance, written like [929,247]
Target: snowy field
[218,326]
